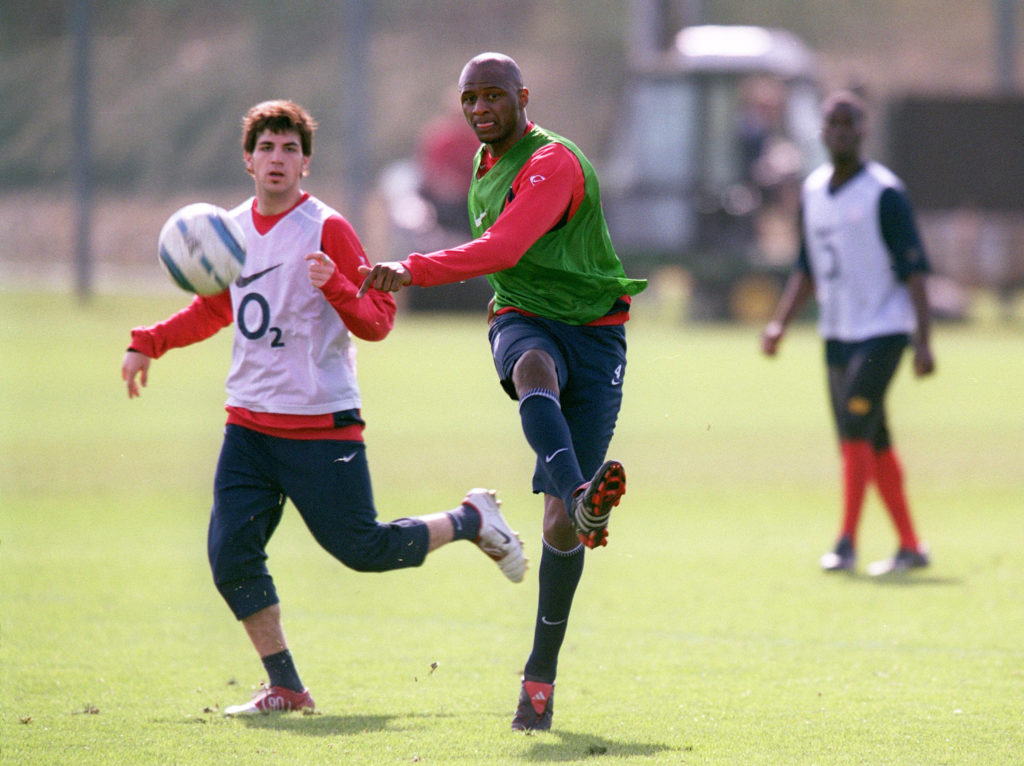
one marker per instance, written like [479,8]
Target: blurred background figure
[862,257]
[426,201]
[444,158]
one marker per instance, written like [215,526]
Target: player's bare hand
[924,362]
[390,276]
[135,372]
[321,267]
[771,337]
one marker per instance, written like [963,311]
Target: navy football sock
[466,522]
[548,434]
[281,671]
[560,573]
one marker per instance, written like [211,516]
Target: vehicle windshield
[710,132]
[657,140]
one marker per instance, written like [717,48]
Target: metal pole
[356,20]
[1006,64]
[81,159]
[649,29]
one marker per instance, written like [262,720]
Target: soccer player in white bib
[862,258]
[294,424]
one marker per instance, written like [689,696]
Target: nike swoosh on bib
[244,281]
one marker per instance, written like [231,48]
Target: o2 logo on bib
[253,320]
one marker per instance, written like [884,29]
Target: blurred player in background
[294,427]
[862,257]
[561,300]
[444,152]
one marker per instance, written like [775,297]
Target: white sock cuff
[547,393]
[557,552]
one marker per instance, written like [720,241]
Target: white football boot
[496,538]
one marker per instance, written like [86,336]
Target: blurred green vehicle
[703,172]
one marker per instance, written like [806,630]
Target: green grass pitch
[703,634]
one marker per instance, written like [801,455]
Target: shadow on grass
[903,579]
[546,747]
[907,579]
[327,725]
[554,746]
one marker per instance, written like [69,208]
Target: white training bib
[292,353]
[858,291]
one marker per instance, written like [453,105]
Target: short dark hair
[844,98]
[278,116]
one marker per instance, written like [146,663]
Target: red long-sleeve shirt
[532,213]
[533,210]
[368,318]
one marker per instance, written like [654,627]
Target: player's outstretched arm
[370,319]
[389,276]
[135,372]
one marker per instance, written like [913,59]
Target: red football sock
[858,469]
[889,475]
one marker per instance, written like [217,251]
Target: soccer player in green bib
[557,332]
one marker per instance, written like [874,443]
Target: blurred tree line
[171,78]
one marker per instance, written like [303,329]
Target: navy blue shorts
[328,482]
[859,374]
[591,365]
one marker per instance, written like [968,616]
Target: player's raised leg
[592,505]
